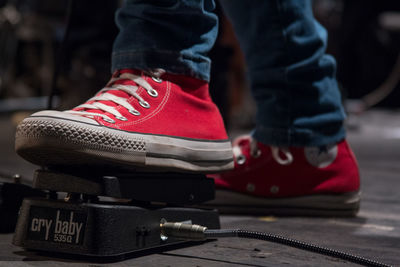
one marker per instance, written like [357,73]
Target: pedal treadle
[172,188]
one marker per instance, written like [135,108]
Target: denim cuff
[297,138]
[171,61]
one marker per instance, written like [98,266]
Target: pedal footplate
[172,188]
[99,229]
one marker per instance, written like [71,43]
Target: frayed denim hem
[171,61]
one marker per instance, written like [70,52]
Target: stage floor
[374,233]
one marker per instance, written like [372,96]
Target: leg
[155,112]
[293,80]
[173,35]
[297,160]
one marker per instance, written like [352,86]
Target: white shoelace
[276,155]
[102,95]
[255,153]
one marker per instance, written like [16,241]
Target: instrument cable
[195,232]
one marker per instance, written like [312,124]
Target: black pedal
[172,188]
[82,224]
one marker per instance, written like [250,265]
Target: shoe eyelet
[156,79]
[153,93]
[274,189]
[109,120]
[257,154]
[241,159]
[121,118]
[144,104]
[250,187]
[134,112]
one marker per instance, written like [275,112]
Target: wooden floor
[374,233]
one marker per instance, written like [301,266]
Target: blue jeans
[292,78]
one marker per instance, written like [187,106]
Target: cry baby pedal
[85,224]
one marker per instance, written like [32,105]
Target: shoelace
[103,95]
[276,155]
[255,152]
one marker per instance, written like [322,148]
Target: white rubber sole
[231,202]
[52,141]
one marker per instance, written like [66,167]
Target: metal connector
[183,230]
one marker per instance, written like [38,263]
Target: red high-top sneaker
[290,181]
[157,121]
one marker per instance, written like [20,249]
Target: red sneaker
[141,120]
[291,181]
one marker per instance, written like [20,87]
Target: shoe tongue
[131,71]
